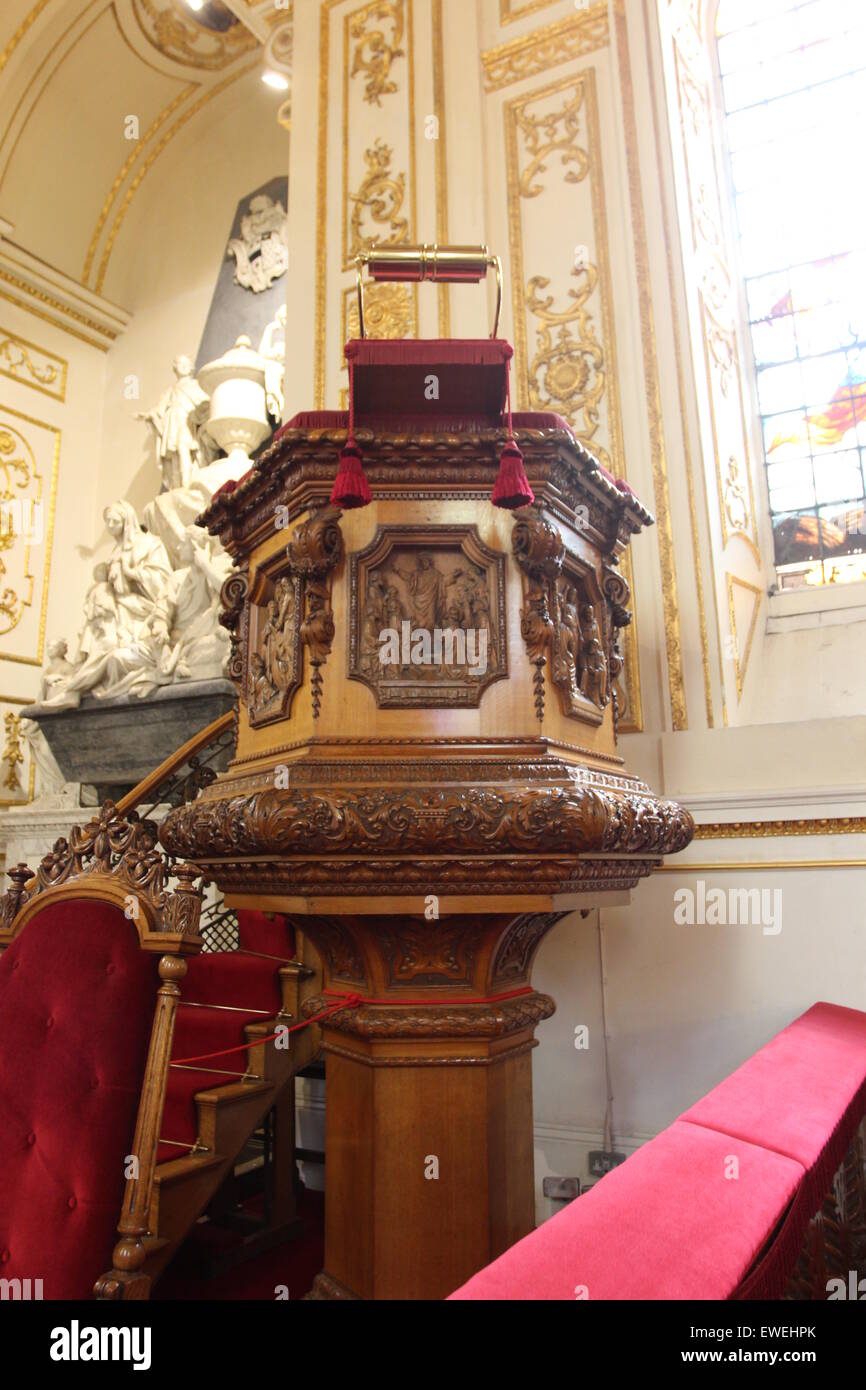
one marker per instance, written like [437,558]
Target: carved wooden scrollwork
[564,620]
[314,551]
[407,820]
[234,618]
[124,849]
[288,610]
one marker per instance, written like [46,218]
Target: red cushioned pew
[716,1206]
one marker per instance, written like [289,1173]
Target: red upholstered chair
[83,1054]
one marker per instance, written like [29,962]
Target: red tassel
[351,488]
[511,488]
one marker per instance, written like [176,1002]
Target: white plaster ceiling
[71,74]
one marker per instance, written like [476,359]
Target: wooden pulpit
[427,773]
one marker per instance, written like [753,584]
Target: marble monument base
[113,744]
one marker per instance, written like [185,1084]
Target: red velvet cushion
[77,996]
[802,1095]
[666,1224]
[268,932]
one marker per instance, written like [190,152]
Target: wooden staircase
[226,1115]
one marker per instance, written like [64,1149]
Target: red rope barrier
[348,1001]
[244,1047]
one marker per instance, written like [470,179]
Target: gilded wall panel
[29,460]
[24,362]
[564,336]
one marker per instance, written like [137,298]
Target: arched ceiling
[92,92]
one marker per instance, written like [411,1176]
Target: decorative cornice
[301,463]
[759,829]
[58,298]
[546,48]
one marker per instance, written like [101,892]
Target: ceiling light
[275,80]
[195,5]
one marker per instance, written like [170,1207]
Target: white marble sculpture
[194,642]
[122,641]
[272,349]
[173,421]
[261,251]
[151,612]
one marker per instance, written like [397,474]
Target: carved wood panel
[569,619]
[427,617]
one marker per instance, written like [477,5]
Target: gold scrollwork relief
[553,137]
[377,48]
[18,476]
[376,218]
[566,372]
[26,526]
[13,752]
[174,31]
[390,311]
[33,366]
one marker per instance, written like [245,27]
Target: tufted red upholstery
[77,997]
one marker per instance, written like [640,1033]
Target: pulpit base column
[429,1150]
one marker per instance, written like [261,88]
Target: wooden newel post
[124,1280]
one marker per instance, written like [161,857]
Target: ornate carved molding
[516,951]
[457,820]
[425,953]
[235,619]
[314,551]
[436,1020]
[300,463]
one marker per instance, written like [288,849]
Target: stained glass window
[795,99]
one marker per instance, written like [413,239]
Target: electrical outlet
[602,1160]
[561,1189]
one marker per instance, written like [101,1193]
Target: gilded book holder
[429,820]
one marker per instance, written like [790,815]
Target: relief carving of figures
[594,680]
[427,617]
[274,661]
[261,251]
